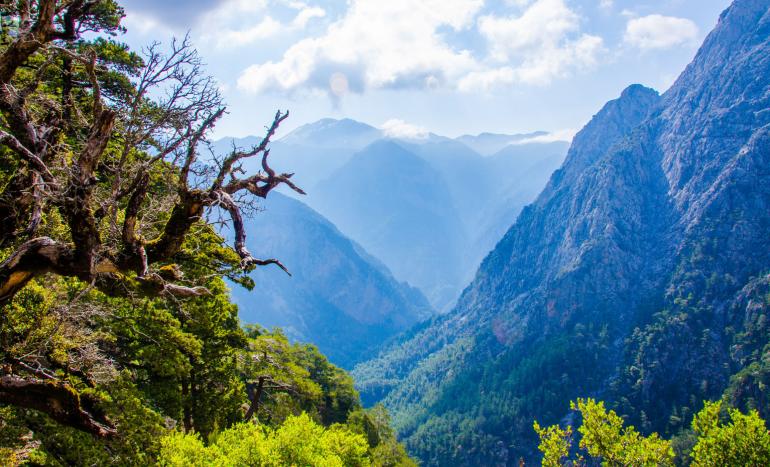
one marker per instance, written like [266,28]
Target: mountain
[489,192]
[332,133]
[394,196]
[338,297]
[638,276]
[442,186]
[490,143]
[398,208]
[520,172]
[312,151]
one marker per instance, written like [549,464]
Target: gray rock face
[652,231]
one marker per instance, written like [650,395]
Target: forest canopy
[117,335]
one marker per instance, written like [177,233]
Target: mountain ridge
[339,297]
[649,233]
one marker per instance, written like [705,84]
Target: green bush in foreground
[298,441]
[744,440]
[736,439]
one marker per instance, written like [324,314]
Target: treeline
[481,413]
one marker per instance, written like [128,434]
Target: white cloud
[145,24]
[305,15]
[376,44]
[518,3]
[659,32]
[228,26]
[545,23]
[487,79]
[566,134]
[396,128]
[401,43]
[238,38]
[232,11]
[606,4]
[544,42]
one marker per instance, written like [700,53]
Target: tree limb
[57,400]
[31,259]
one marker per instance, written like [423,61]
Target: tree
[744,440]
[298,441]
[103,182]
[269,365]
[604,438]
[284,379]
[554,443]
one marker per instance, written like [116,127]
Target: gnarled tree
[108,144]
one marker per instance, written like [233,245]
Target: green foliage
[554,443]
[137,444]
[465,407]
[186,364]
[605,437]
[743,440]
[374,424]
[298,441]
[720,437]
[124,341]
[298,378]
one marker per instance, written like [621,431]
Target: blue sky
[447,66]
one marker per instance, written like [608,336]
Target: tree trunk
[254,407]
[187,412]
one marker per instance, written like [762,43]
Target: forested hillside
[639,275]
[119,344]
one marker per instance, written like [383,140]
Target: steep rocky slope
[636,276]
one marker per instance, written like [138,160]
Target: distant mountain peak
[330,132]
[638,91]
[514,136]
[614,121]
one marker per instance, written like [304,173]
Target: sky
[451,67]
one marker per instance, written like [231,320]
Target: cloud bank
[403,44]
